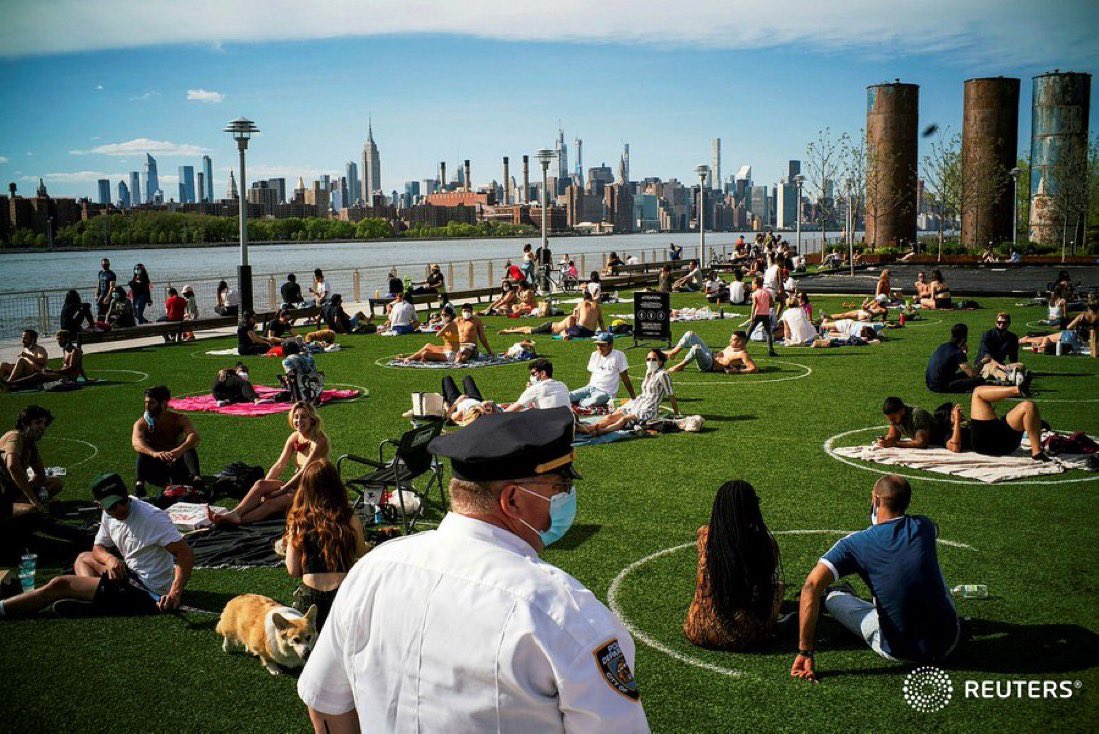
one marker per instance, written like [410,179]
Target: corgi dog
[276,634]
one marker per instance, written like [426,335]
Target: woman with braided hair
[740,584]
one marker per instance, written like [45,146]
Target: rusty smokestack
[442,176]
[507,182]
[990,140]
[892,121]
[526,180]
[469,184]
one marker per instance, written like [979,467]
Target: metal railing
[41,309]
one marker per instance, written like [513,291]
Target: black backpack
[236,479]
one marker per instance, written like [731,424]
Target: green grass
[1034,545]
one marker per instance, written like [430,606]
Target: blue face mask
[149,420]
[562,512]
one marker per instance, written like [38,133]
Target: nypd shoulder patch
[614,669]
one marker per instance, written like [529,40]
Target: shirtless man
[502,305]
[847,328]
[30,363]
[72,366]
[460,337]
[23,491]
[923,288]
[165,445]
[580,324]
[732,360]
[868,311]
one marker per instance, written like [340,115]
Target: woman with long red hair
[323,538]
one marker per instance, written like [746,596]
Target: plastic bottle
[902,319]
[1058,347]
[970,591]
[379,516]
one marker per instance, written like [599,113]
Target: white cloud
[3,159]
[202,95]
[139,146]
[68,177]
[99,87]
[145,95]
[990,30]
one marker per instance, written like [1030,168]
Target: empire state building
[372,167]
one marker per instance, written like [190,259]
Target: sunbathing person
[732,360]
[991,435]
[938,296]
[466,405]
[502,305]
[448,351]
[868,311]
[883,291]
[271,495]
[740,588]
[655,388]
[31,362]
[231,385]
[71,369]
[580,324]
[1072,338]
[848,328]
[526,301]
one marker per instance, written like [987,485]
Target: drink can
[902,319]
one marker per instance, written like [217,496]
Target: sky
[89,87]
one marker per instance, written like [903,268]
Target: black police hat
[511,446]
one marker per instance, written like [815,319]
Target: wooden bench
[430,299]
[178,328]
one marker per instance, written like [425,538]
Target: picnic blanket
[484,360]
[582,439]
[969,465]
[241,546]
[693,314]
[207,403]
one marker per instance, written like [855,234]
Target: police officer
[464,628]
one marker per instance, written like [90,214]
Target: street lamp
[703,173]
[1015,205]
[241,129]
[800,180]
[849,187]
[49,233]
[544,157]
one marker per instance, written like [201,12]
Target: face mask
[149,419]
[533,380]
[562,512]
[873,513]
[467,315]
[651,365]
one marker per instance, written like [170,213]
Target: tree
[942,173]
[1022,195]
[854,175]
[822,163]
[1067,189]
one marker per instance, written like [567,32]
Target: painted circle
[364,392]
[641,636]
[144,375]
[384,362]
[829,448]
[742,379]
[89,444]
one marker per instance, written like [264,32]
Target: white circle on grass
[363,393]
[89,444]
[829,448]
[144,375]
[641,636]
[738,379]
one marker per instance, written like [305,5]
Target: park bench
[177,328]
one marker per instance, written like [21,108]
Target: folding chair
[410,460]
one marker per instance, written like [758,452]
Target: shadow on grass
[577,536]
[728,418]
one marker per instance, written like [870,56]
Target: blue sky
[122,78]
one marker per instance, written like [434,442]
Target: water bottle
[1058,348]
[970,591]
[379,516]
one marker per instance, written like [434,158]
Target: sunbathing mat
[207,404]
[969,465]
[585,440]
[241,546]
[484,360]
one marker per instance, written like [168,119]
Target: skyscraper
[579,162]
[152,180]
[714,177]
[208,178]
[104,191]
[200,186]
[372,166]
[759,204]
[135,188]
[231,189]
[793,168]
[186,184]
[354,187]
[786,201]
[625,163]
[123,195]
[562,152]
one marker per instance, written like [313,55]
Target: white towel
[970,465]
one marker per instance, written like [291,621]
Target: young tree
[853,162]
[822,165]
[983,179]
[1067,189]
[942,173]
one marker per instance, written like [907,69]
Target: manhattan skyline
[434,97]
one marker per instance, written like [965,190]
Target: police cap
[511,446]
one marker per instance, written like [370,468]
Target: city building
[104,194]
[646,212]
[786,204]
[372,166]
[152,180]
[793,168]
[263,194]
[759,204]
[598,178]
[207,194]
[713,178]
[582,206]
[354,185]
[320,198]
[135,188]
[231,188]
[186,184]
[618,203]
[123,195]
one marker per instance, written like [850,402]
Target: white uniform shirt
[402,313]
[605,371]
[545,394]
[465,629]
[140,539]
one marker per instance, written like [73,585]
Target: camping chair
[410,460]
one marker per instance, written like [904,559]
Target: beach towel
[240,546]
[231,352]
[969,465]
[207,403]
[585,440]
[483,360]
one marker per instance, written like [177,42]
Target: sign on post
[652,315]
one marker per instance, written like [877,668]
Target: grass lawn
[1033,544]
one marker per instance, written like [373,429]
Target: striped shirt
[656,387]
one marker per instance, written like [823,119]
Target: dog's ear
[280,622]
[311,616]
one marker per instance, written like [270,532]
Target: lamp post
[241,129]
[49,233]
[703,173]
[800,180]
[1015,205]
[544,157]
[849,187]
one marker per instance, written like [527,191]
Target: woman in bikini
[271,495]
[446,352]
[939,294]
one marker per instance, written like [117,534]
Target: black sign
[652,313]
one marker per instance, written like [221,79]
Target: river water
[42,271]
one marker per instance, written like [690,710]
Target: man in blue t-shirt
[912,616]
[948,370]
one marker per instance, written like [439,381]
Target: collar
[455,525]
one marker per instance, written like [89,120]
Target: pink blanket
[207,404]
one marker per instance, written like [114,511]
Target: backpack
[236,479]
[305,387]
[174,493]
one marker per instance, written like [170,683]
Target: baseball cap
[108,489]
[604,337]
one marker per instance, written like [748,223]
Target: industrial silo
[990,141]
[892,120]
[1058,153]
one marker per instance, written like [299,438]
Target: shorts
[402,329]
[465,349]
[994,437]
[124,598]
[579,332]
[307,596]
